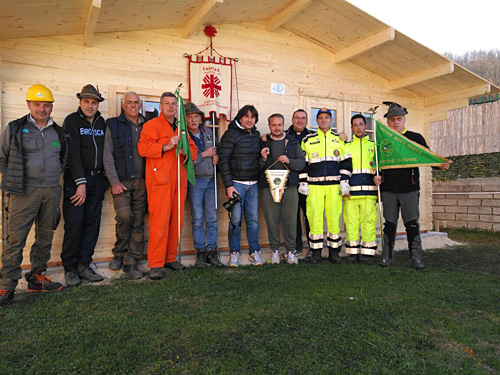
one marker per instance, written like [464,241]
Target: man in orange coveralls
[158,144]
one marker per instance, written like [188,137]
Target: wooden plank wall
[154,60]
[467,131]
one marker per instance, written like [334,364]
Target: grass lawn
[305,319]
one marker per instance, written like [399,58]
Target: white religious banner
[210,85]
[276,179]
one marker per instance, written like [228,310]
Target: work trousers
[361,211]
[302,206]
[164,223]
[281,213]
[130,207]
[409,204]
[81,223]
[324,199]
[40,206]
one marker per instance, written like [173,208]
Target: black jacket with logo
[85,144]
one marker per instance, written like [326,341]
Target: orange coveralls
[161,186]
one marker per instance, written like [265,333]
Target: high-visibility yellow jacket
[327,162]
[362,152]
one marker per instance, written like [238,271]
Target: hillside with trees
[484,63]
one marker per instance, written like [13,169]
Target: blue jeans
[203,195]
[250,204]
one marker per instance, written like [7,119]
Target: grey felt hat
[395,110]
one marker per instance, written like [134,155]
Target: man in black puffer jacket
[239,153]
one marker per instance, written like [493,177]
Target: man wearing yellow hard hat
[32,156]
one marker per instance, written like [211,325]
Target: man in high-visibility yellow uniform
[325,180]
[360,205]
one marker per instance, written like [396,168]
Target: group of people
[138,159]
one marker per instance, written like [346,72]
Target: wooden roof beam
[286,14]
[365,45]
[424,75]
[467,93]
[199,17]
[90,25]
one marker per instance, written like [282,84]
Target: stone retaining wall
[469,203]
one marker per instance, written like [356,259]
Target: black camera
[230,203]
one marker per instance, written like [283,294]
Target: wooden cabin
[324,53]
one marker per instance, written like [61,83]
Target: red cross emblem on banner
[211,86]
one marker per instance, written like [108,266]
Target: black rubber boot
[353,258]
[333,256]
[389,241]
[414,242]
[366,259]
[316,256]
[201,259]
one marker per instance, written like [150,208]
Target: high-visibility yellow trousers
[361,211]
[324,199]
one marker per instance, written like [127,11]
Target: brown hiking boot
[213,258]
[156,273]
[88,273]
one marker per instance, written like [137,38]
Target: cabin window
[314,124]
[369,123]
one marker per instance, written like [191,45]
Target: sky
[455,26]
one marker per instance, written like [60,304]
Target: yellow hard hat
[39,93]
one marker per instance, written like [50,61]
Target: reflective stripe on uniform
[363,188]
[371,244]
[352,243]
[333,240]
[334,244]
[316,245]
[366,251]
[345,156]
[316,237]
[327,178]
[319,160]
[367,171]
[345,172]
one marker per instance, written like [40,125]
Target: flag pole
[179,180]
[215,165]
[213,134]
[378,187]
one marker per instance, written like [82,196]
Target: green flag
[184,139]
[397,151]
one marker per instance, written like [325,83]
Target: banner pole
[215,166]
[179,187]
[378,187]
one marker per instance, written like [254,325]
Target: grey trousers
[42,207]
[284,212]
[130,207]
[409,205]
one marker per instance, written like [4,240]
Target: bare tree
[484,63]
